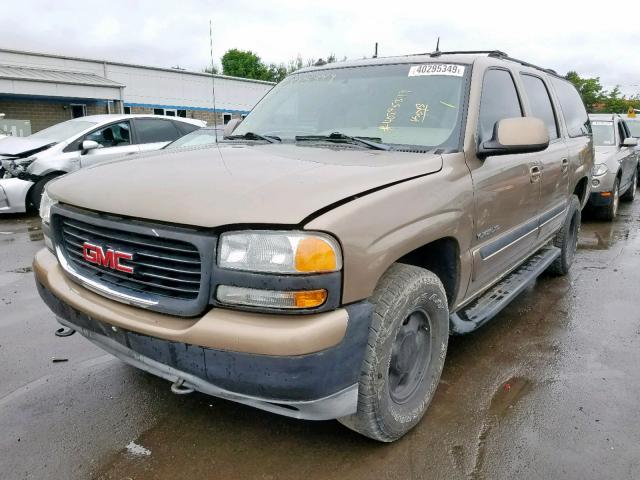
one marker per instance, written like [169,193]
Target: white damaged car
[29,163]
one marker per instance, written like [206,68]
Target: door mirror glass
[516,135]
[630,142]
[231,126]
[89,145]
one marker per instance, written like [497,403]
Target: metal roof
[13,72]
[135,65]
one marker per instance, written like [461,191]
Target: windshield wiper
[371,142]
[256,136]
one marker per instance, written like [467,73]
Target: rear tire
[405,354]
[35,194]
[567,239]
[630,194]
[610,211]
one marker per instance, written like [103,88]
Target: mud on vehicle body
[315,262]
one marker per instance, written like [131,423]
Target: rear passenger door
[554,161]
[576,131]
[155,133]
[506,195]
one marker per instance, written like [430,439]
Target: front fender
[378,229]
[46,166]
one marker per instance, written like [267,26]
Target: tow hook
[65,332]
[178,387]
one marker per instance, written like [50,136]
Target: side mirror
[630,142]
[516,135]
[231,126]
[89,145]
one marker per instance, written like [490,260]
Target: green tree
[615,102]
[211,69]
[245,64]
[590,90]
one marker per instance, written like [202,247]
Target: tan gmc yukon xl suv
[315,261]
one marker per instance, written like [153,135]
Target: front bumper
[13,195]
[597,200]
[318,385]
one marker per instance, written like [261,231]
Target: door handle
[565,165]
[535,173]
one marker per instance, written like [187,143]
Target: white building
[47,89]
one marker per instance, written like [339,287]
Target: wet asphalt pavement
[549,389]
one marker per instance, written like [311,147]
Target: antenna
[438,46]
[213,83]
[375,52]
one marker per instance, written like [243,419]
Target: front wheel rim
[410,356]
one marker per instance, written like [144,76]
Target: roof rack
[495,54]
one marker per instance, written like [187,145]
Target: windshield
[399,104]
[205,136]
[634,127]
[63,131]
[603,134]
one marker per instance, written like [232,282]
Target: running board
[481,310]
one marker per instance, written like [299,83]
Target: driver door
[114,140]
[506,190]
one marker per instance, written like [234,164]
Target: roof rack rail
[495,54]
[491,53]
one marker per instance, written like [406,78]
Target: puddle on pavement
[602,235]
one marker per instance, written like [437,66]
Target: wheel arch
[581,191]
[442,257]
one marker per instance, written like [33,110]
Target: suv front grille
[160,267]
[167,271]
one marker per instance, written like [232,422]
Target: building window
[243,116]
[158,111]
[226,118]
[170,112]
[127,110]
[182,113]
[78,110]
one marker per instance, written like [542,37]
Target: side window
[573,111]
[185,127]
[540,103]
[499,101]
[115,135]
[150,130]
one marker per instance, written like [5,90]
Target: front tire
[35,194]
[567,239]
[610,211]
[630,194]
[405,354]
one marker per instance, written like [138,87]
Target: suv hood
[237,184]
[23,146]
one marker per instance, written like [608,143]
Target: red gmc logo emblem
[110,259]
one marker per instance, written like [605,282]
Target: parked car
[29,163]
[316,261]
[615,173]
[198,138]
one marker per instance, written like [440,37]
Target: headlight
[599,169]
[279,252]
[45,207]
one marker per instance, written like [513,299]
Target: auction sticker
[600,123]
[436,69]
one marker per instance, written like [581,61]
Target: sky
[563,35]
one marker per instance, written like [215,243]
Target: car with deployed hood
[615,173]
[314,262]
[29,163]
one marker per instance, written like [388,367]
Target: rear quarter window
[573,111]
